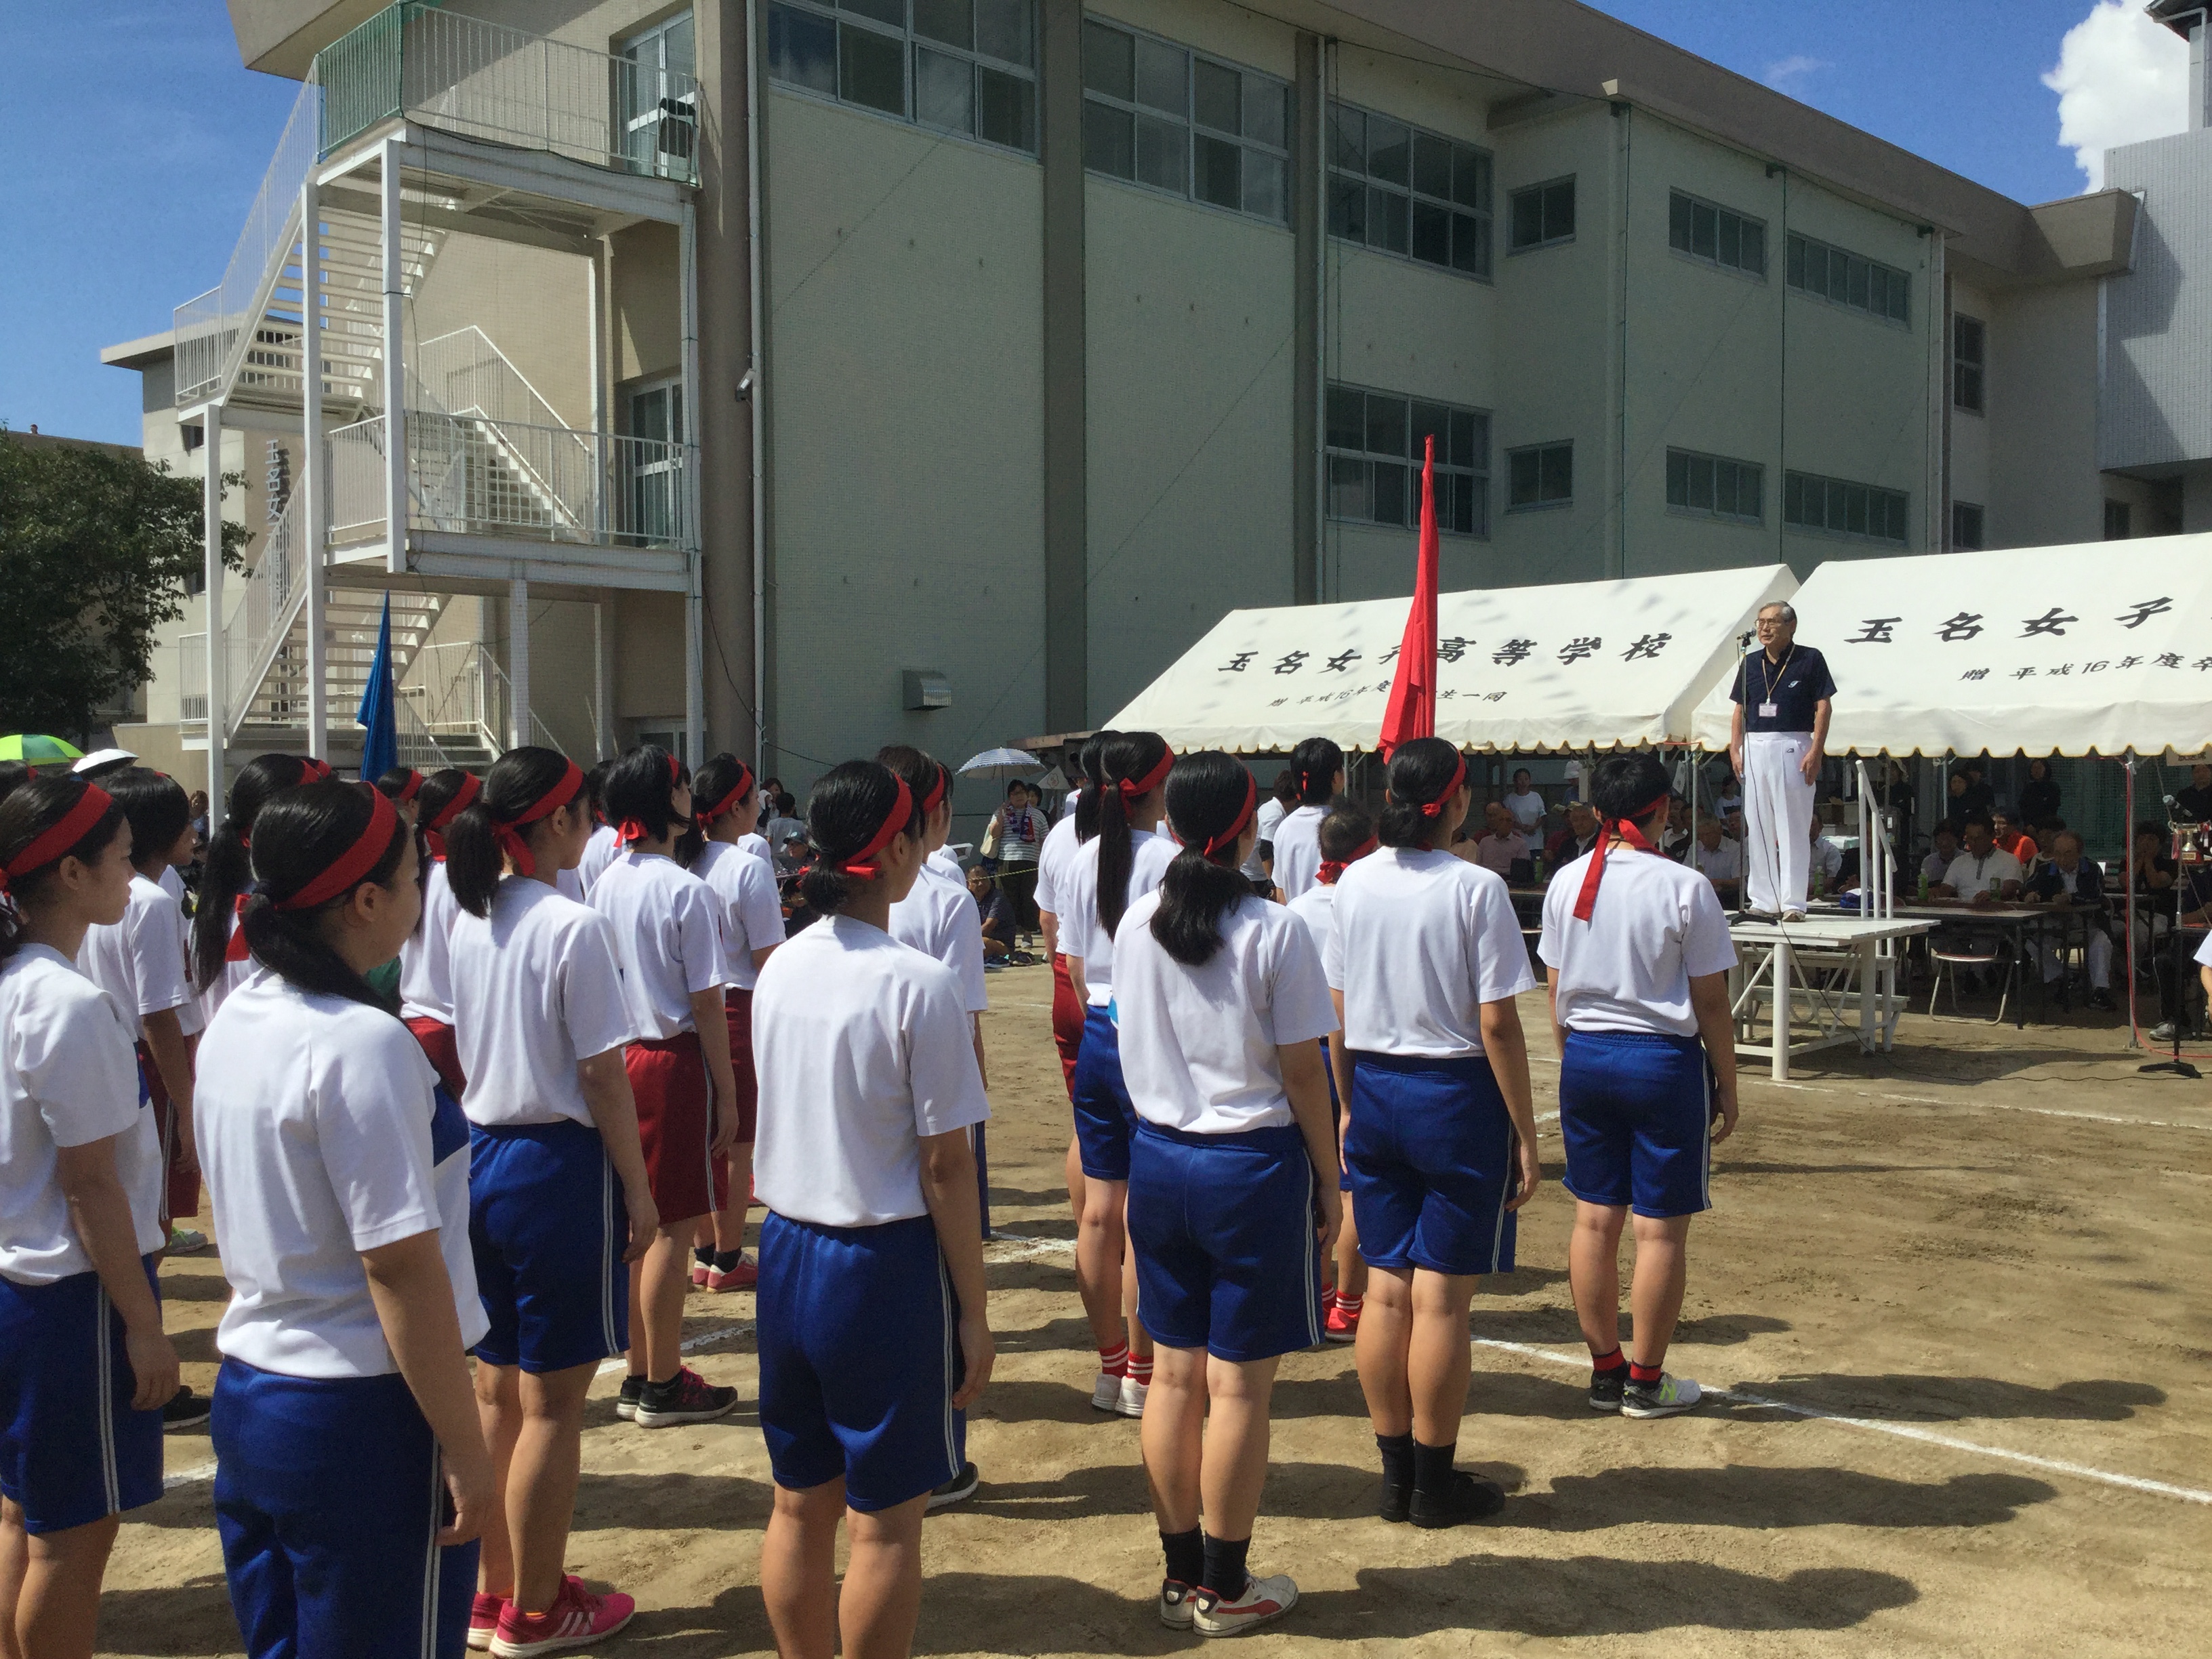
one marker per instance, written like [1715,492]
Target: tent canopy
[2099,648]
[1578,665]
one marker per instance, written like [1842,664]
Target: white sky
[2121,78]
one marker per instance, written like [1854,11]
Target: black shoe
[1471,1499]
[960,1488]
[186,1410]
[1396,1503]
[626,1404]
[1605,1389]
[2101,1000]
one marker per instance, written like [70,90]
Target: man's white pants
[1777,820]
[2097,953]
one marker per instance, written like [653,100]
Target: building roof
[140,354]
[2171,13]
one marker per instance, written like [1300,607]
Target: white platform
[1809,978]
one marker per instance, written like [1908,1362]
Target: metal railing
[213,328]
[459,691]
[472,475]
[483,80]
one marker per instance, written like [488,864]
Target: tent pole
[2128,956]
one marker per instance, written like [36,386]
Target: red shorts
[1066,1020]
[676,1124]
[738,1006]
[180,1190]
[437,1040]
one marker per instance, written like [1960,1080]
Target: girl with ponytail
[1078,823]
[338,1171]
[1440,1138]
[1317,774]
[426,977]
[734,863]
[219,960]
[80,1219]
[1232,1193]
[668,939]
[1121,864]
[559,1201]
[874,1338]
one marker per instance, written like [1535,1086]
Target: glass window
[1967,527]
[1845,279]
[1837,507]
[1705,230]
[1969,342]
[871,69]
[1161,115]
[1377,442]
[1541,474]
[1712,486]
[1543,215]
[1403,189]
[963,66]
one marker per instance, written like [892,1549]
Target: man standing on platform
[1778,738]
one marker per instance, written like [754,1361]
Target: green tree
[95,545]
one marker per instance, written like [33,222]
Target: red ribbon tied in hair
[442,819]
[862,863]
[1586,900]
[1331,869]
[1435,809]
[312,770]
[347,871]
[1135,789]
[53,843]
[237,950]
[1227,838]
[508,834]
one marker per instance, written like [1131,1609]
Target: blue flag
[380,743]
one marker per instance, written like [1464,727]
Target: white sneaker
[1178,1604]
[1263,1599]
[1132,1402]
[1667,1397]
[1106,1393]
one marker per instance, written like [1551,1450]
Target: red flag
[1412,711]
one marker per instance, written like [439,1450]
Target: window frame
[1713,260]
[1484,216]
[1477,474]
[1962,366]
[912,41]
[1192,127]
[668,126]
[1542,503]
[1980,542]
[1684,509]
[1796,253]
[1541,187]
[1793,478]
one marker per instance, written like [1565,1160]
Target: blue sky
[133,144]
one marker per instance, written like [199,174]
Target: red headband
[1435,809]
[51,845]
[737,791]
[351,866]
[312,770]
[472,786]
[1586,900]
[936,793]
[1333,868]
[411,788]
[1228,837]
[862,863]
[1135,789]
[510,839]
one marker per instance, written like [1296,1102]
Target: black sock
[1432,1468]
[1224,1571]
[1186,1554]
[1397,1458]
[1609,1364]
[703,1255]
[726,1260]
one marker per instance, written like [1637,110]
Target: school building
[791,376]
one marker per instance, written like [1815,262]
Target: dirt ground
[1956,1294]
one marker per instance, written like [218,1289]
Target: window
[1713,487]
[1542,474]
[1160,115]
[1969,344]
[1401,190]
[1543,215]
[1705,231]
[655,474]
[1376,441]
[963,66]
[2119,521]
[660,113]
[1836,508]
[1845,279]
[1965,527]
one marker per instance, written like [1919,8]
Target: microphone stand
[2177,1065]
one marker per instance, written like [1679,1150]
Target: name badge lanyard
[1770,709]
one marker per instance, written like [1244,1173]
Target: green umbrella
[35,751]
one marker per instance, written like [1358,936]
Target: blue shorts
[329,1494]
[1335,1119]
[1104,1116]
[1222,1227]
[71,1450]
[1636,1110]
[859,1358]
[1430,1150]
[548,1227]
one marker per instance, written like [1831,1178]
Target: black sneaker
[626,1402]
[1396,1503]
[1605,1389]
[186,1410]
[2101,1000]
[686,1397]
[960,1488]
[1471,1499]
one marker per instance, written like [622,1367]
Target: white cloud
[2121,78]
[1795,68]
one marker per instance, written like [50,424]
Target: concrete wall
[2157,390]
[530,303]
[2044,484]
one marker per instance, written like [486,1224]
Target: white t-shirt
[535,989]
[1060,845]
[1297,849]
[426,978]
[67,1078]
[939,918]
[1423,940]
[863,1047]
[1721,863]
[750,908]
[1080,934]
[1270,818]
[322,1135]
[1656,924]
[755,843]
[1969,875]
[1935,868]
[946,862]
[668,937]
[1316,908]
[192,1016]
[1199,1044]
[2205,952]
[1528,810]
[140,960]
[603,847]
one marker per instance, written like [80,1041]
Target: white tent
[1580,665]
[2103,648]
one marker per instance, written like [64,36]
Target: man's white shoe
[1132,1402]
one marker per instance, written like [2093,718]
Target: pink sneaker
[1339,1326]
[740,1275]
[577,1618]
[483,1619]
